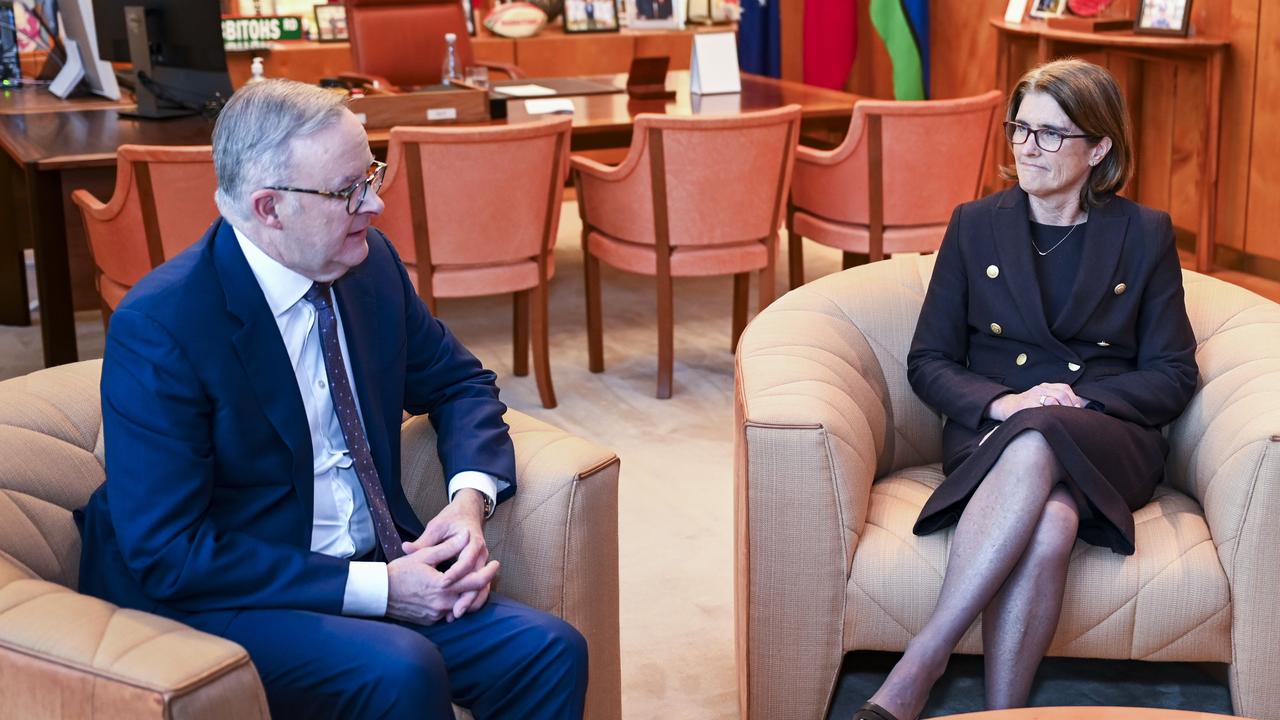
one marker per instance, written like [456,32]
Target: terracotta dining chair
[695,196]
[474,211]
[400,43]
[162,203]
[891,186]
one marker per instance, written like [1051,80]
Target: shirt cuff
[476,480]
[366,593]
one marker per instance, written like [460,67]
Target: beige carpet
[675,505]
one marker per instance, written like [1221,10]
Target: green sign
[239,31]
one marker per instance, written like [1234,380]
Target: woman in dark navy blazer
[1055,339]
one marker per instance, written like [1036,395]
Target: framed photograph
[1047,8]
[584,16]
[331,23]
[471,17]
[1163,17]
[656,14]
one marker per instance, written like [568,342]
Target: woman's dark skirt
[1112,467]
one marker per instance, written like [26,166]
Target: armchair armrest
[1225,452]
[375,84]
[70,655]
[511,71]
[557,538]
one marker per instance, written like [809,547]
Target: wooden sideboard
[1207,54]
[550,53]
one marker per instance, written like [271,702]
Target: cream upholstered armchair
[836,455]
[63,654]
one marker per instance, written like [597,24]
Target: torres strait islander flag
[904,27]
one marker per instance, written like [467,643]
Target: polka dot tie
[345,406]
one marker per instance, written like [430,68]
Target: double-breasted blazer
[1123,340]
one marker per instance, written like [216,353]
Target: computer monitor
[84,64]
[176,50]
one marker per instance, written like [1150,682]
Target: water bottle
[449,71]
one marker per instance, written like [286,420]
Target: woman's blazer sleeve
[937,365]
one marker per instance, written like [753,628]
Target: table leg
[53,273]
[13,272]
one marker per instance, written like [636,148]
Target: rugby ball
[516,20]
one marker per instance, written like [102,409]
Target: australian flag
[759,39]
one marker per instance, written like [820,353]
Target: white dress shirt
[342,525]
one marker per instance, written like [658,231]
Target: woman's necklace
[1055,245]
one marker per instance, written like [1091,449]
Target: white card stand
[72,71]
[1015,11]
[713,70]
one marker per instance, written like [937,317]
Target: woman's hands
[1043,394]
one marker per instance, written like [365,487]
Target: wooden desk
[48,154]
[1210,52]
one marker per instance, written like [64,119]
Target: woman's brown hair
[1090,97]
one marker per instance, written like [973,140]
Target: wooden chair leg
[595,325]
[666,336]
[520,333]
[541,349]
[795,259]
[768,282]
[851,259]
[741,287]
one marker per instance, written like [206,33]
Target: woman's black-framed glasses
[1048,139]
[354,194]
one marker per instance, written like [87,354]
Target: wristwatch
[488,506]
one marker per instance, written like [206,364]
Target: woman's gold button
[1073,367]
[993,272]
[995,328]
[1022,359]
[1103,343]
[1121,288]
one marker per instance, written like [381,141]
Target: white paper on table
[524,90]
[714,66]
[544,107]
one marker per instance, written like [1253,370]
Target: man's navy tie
[344,404]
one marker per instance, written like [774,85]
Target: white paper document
[524,90]
[544,107]
[713,68]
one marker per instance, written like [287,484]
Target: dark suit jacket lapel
[1103,243]
[357,304]
[266,362]
[1011,224]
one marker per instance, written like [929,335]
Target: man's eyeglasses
[1048,139]
[354,193]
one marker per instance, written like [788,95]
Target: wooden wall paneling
[1264,172]
[593,54]
[963,58]
[1238,22]
[1186,161]
[676,46]
[490,48]
[1153,130]
[872,74]
[792,30]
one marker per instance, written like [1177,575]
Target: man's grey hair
[252,138]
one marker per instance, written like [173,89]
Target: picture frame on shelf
[470,13]
[1047,8]
[1015,11]
[1163,17]
[331,23]
[713,12]
[589,16]
[656,14]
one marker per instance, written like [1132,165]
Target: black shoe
[872,711]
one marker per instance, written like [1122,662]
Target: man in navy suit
[252,394]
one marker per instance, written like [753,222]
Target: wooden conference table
[50,148]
